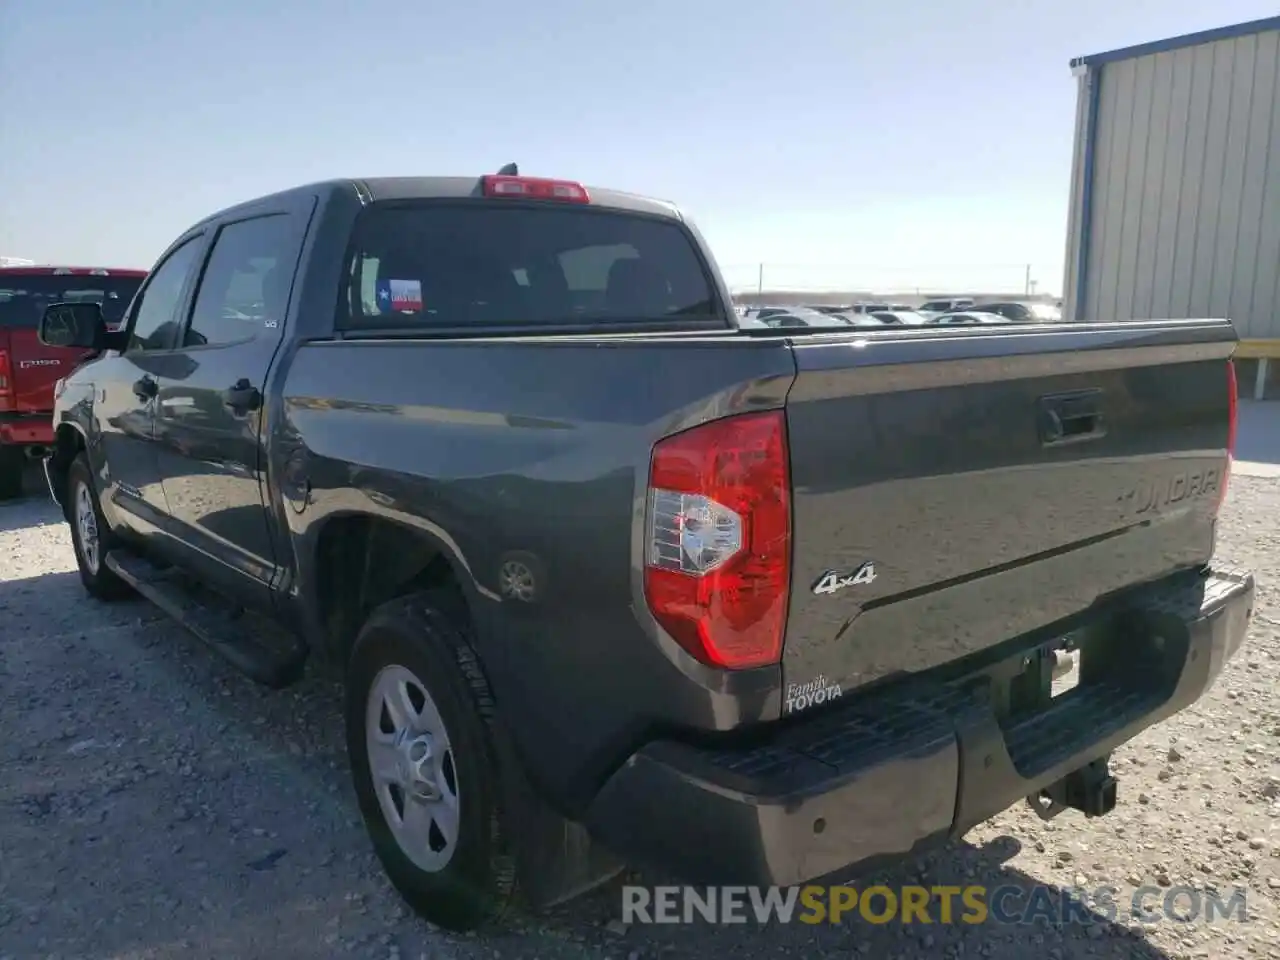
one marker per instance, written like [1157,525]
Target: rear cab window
[449,264]
[24,296]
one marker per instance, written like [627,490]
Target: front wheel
[424,764]
[91,538]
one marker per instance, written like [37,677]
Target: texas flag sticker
[400,296]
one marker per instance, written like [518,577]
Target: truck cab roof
[384,189]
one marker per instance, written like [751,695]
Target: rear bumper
[26,429]
[890,772]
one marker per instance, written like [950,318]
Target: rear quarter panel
[539,447]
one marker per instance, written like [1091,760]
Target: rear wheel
[91,538]
[423,763]
[13,464]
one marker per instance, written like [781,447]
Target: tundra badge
[833,580]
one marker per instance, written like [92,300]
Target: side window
[245,286]
[156,312]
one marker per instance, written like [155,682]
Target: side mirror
[78,324]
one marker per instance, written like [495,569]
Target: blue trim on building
[1093,80]
[1177,43]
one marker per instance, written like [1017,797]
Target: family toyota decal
[809,694]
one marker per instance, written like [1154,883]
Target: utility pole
[1027,283]
[760,280]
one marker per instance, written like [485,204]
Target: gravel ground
[153,803]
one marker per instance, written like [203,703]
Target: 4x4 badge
[832,580]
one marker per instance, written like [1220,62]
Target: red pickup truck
[28,368]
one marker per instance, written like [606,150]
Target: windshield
[23,296]
[466,264]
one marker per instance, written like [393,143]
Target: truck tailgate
[995,481]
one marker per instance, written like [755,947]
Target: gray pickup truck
[613,578]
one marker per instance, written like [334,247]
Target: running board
[221,628]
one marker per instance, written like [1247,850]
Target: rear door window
[474,264]
[245,286]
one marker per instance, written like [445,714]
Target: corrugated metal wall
[1185,218]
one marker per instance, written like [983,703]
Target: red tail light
[1233,413]
[718,551]
[6,382]
[534,188]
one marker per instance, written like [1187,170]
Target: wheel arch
[68,442]
[358,561]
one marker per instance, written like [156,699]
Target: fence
[862,281]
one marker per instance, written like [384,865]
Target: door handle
[242,397]
[1072,417]
[145,388]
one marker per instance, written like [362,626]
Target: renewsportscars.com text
[929,905]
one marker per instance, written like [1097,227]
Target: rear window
[469,264]
[23,297]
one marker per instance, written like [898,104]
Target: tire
[13,464]
[423,640]
[83,506]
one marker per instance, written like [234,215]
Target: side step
[222,628]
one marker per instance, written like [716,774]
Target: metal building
[1175,186]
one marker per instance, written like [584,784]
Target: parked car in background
[901,318]
[803,317]
[946,305]
[969,317]
[879,307]
[829,320]
[1023,311]
[28,368]
[761,313]
[858,319]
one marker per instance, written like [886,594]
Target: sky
[886,146]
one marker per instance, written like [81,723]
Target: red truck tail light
[1233,414]
[6,382]
[718,550]
[534,188]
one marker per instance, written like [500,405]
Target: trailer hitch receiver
[1091,790]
